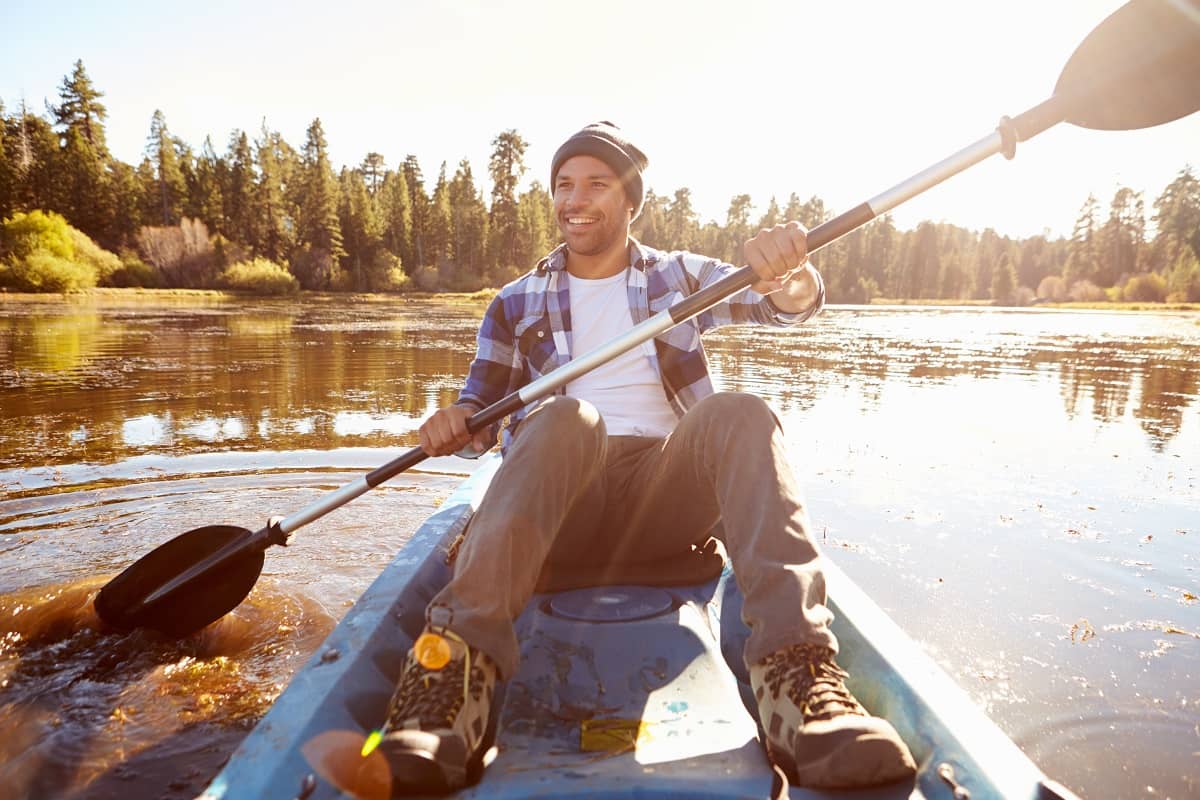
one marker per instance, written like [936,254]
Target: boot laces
[435,697]
[812,680]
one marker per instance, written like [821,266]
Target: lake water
[1018,489]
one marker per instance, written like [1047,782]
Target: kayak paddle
[1139,68]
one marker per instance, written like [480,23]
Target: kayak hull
[623,691]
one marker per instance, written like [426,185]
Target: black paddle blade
[1139,68]
[198,602]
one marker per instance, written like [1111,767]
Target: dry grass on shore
[484,296]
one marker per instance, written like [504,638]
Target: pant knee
[562,419]
[736,409]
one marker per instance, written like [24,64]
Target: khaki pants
[568,493]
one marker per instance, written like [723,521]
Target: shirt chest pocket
[535,341]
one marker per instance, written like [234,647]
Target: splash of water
[85,709]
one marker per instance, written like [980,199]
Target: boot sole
[867,761]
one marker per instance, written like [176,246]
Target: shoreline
[484,296]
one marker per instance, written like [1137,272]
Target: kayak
[622,691]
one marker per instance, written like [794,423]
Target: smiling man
[590,482]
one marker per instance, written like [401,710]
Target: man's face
[590,206]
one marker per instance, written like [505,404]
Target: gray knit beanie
[605,141]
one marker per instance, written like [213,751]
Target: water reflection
[106,384]
[1100,361]
[103,384]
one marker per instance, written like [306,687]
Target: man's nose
[576,195]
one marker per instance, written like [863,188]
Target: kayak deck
[621,692]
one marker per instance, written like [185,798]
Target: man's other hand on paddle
[779,256]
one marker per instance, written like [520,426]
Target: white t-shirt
[627,390]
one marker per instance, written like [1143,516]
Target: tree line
[181,218]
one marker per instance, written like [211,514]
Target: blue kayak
[623,691]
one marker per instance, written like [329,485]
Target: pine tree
[82,180]
[952,280]
[7,173]
[441,246]
[988,252]
[1034,264]
[205,201]
[171,188]
[373,169]
[395,211]
[772,217]
[650,226]
[812,213]
[1081,255]
[81,163]
[149,201]
[238,194]
[1177,220]
[82,110]
[32,148]
[273,214]
[795,210]
[533,225]
[319,231]
[506,167]
[469,222]
[681,224]
[883,244]
[418,209]
[737,229]
[361,230]
[924,263]
[1120,239]
[127,217]
[1004,282]
[850,283]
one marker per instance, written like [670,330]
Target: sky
[840,99]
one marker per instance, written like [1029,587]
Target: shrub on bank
[1086,292]
[387,274]
[134,273]
[1053,289]
[259,276]
[1145,288]
[22,235]
[42,271]
[93,255]
[41,252]
[182,254]
[394,280]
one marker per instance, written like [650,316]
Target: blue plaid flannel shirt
[526,331]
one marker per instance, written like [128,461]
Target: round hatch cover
[611,603]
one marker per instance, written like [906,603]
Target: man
[593,475]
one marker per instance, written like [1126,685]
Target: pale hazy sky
[841,98]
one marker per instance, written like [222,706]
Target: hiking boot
[438,716]
[816,731]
